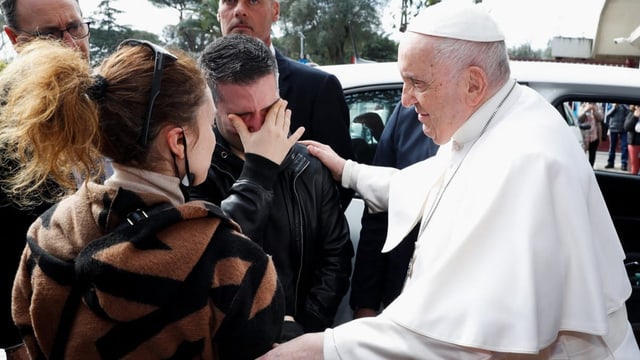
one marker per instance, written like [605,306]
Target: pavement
[601,162]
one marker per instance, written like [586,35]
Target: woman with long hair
[128,267]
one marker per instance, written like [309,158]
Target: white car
[377,87]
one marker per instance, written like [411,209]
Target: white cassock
[519,257]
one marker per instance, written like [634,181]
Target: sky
[537,21]
[523,21]
[138,14]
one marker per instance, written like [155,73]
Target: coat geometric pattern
[180,283]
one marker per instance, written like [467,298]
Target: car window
[599,141]
[369,110]
[570,112]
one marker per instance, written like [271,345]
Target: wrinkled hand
[272,141]
[327,156]
[306,347]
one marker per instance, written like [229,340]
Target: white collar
[145,181]
[472,128]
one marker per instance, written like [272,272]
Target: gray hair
[492,57]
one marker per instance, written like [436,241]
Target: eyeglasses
[161,57]
[79,30]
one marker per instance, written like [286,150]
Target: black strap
[77,289]
[66,320]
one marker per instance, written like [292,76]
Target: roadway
[601,162]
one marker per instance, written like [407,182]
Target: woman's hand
[272,141]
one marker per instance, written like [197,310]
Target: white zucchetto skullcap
[457,21]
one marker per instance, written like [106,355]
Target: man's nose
[254,122]
[407,97]
[240,9]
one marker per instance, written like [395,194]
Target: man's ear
[276,10]
[476,85]
[11,34]
[173,137]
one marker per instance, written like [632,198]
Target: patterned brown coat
[180,283]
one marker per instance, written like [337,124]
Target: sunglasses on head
[161,58]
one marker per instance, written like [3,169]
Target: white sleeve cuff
[349,174]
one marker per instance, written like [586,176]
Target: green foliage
[106,34]
[332,28]
[411,8]
[197,26]
[380,48]
[525,52]
[198,23]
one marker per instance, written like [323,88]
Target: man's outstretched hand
[305,347]
[327,156]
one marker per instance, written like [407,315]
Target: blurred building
[617,39]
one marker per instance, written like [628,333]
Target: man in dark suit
[315,97]
[378,277]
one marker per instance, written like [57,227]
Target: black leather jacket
[293,211]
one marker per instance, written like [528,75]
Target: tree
[4,42]
[331,28]
[197,26]
[106,33]
[380,48]
[411,7]
[525,52]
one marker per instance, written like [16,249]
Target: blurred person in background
[614,118]
[590,114]
[632,127]
[378,277]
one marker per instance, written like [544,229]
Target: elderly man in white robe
[517,256]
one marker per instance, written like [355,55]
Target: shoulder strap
[64,272]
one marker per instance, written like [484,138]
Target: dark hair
[53,123]
[236,59]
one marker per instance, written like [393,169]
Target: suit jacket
[12,242]
[378,277]
[317,102]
